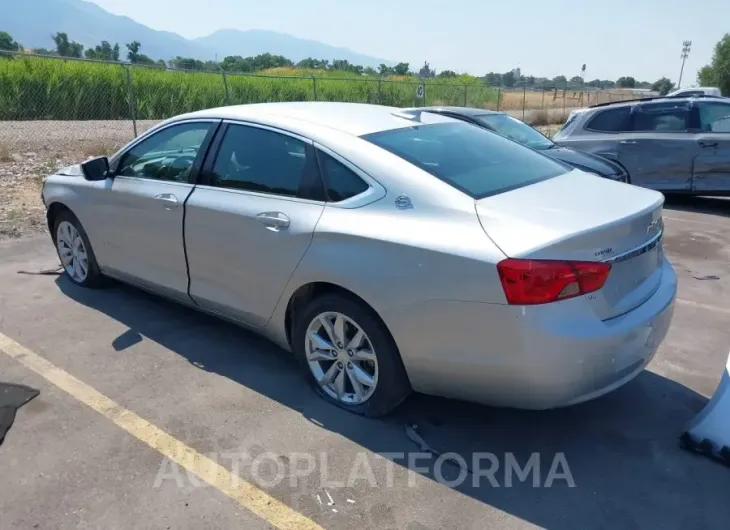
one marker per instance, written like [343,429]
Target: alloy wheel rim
[72,251]
[341,358]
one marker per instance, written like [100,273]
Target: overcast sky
[640,38]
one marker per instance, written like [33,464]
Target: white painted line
[708,223]
[699,305]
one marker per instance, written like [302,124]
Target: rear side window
[340,182]
[478,162]
[265,161]
[714,117]
[611,120]
[661,117]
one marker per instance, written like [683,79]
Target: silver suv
[673,144]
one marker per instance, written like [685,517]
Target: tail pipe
[709,432]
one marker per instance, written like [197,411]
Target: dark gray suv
[674,144]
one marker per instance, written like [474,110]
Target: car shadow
[620,452]
[704,205]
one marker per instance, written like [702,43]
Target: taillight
[529,281]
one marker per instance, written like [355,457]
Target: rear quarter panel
[395,258]
[605,145]
[576,136]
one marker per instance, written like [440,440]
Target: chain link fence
[90,107]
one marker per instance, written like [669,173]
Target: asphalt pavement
[148,411]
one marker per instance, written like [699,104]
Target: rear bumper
[535,357]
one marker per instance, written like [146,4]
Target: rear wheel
[349,356]
[75,252]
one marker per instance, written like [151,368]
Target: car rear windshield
[516,130]
[476,161]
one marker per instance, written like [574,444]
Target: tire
[93,277]
[391,381]
[619,164]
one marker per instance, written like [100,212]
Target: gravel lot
[67,136]
[30,150]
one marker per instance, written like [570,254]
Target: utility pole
[686,45]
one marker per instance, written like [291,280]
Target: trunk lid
[578,216]
[586,162]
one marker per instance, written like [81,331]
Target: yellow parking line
[246,494]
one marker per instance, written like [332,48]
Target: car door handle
[273,221]
[708,144]
[628,142]
[168,199]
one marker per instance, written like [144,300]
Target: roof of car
[708,89]
[658,99]
[352,118]
[463,111]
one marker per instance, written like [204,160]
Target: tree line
[717,73]
[514,79]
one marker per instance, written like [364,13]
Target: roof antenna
[413,114]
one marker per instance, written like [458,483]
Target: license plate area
[630,270]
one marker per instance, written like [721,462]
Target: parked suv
[669,144]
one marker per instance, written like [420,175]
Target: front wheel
[349,356]
[75,252]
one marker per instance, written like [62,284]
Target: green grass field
[33,88]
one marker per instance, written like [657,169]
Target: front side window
[265,161]
[610,120]
[714,116]
[516,130]
[471,159]
[661,117]
[166,155]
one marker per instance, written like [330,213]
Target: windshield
[515,130]
[473,160]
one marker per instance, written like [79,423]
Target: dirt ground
[21,210]
[30,151]
[515,99]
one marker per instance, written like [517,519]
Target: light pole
[686,45]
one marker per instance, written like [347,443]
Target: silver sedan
[389,250]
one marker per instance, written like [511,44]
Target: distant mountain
[32,22]
[255,42]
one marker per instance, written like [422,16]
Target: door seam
[185,244]
[288,280]
[211,141]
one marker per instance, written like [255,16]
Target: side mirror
[96,168]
